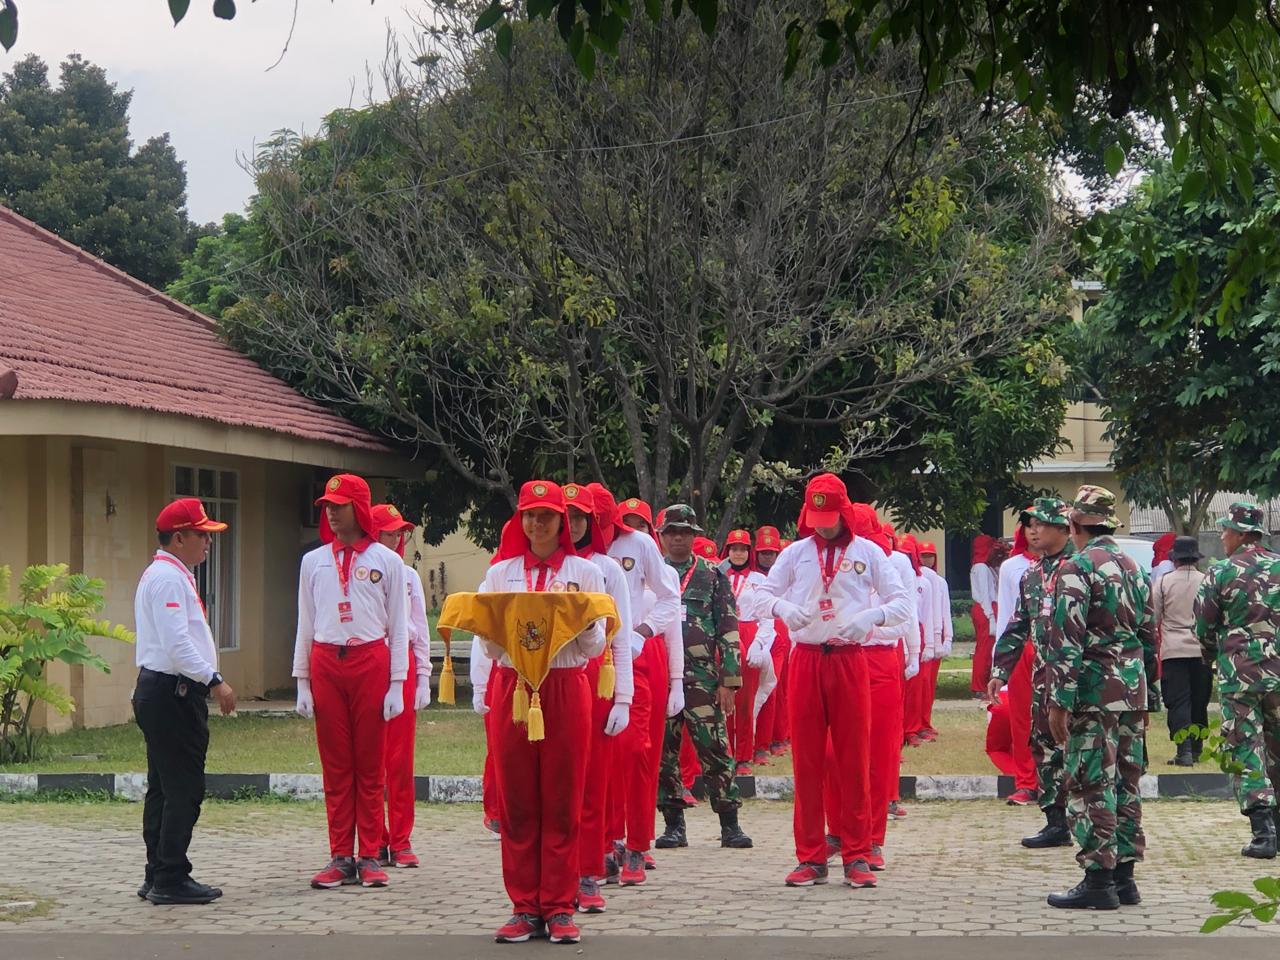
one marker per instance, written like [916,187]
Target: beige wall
[464,564]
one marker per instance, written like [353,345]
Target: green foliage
[209,277]
[51,621]
[1236,905]
[67,162]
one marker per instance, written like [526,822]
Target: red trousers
[1024,763]
[349,685]
[929,692]
[884,682]
[592,843]
[999,739]
[690,767]
[489,783]
[398,767]
[984,644]
[637,757]
[782,725]
[742,738]
[830,702]
[541,785]
[767,723]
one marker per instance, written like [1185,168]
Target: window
[218,578]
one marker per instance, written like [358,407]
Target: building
[115,399]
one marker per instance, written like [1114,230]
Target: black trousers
[176,729]
[1186,684]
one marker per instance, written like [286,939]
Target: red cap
[705,547]
[187,514]
[347,488]
[768,538]
[584,499]
[738,538]
[911,547]
[534,494]
[633,506]
[387,519]
[825,501]
[928,550]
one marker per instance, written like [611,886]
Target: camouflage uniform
[1031,622]
[1237,620]
[710,629]
[1100,655]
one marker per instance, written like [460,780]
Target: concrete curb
[445,789]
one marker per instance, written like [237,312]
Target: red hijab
[867,525]
[982,545]
[825,499]
[1162,548]
[607,513]
[1020,548]
[533,494]
[911,547]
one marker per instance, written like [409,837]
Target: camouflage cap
[1095,506]
[679,515]
[1049,510]
[1243,517]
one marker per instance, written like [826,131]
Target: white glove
[675,700]
[791,615]
[913,667]
[946,648]
[477,701]
[637,644]
[619,717]
[422,696]
[990,615]
[306,706]
[758,654]
[393,703]
[863,622]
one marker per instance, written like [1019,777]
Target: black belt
[193,686]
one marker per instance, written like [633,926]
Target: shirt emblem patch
[628,563]
[362,573]
[859,567]
[375,576]
[846,566]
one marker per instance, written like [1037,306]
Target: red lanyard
[187,573]
[738,581]
[684,581]
[343,564]
[541,585]
[827,578]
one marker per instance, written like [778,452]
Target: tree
[1193,398]
[603,286]
[66,162]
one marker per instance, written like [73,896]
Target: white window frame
[208,574]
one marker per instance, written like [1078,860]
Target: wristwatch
[215,679]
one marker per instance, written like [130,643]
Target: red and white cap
[187,514]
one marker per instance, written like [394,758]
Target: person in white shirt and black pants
[178,670]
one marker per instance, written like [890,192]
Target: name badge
[1046,607]
[344,611]
[825,603]
[684,613]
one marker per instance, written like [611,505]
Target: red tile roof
[75,328]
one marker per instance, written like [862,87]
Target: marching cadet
[351,658]
[755,645]
[396,851]
[1019,695]
[772,729]
[982,587]
[1027,629]
[1237,624]
[825,587]
[711,681]
[1100,653]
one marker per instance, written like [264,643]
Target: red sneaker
[761,758]
[494,827]
[519,928]
[589,899]
[611,868]
[807,875]
[897,811]
[562,929]
[876,860]
[1022,797]
[833,847]
[913,740]
[689,799]
[928,734]
[632,872]
[405,858]
[858,874]
[371,873]
[340,872]
[777,748]
[649,862]
[384,856]
[744,770]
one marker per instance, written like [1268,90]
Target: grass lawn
[451,742]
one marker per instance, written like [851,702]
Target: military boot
[1126,888]
[1185,757]
[1263,844]
[731,834]
[674,835]
[1097,891]
[1054,833]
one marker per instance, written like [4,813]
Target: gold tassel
[520,703]
[608,676]
[537,731]
[447,693]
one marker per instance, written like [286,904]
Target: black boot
[1263,844]
[1054,833]
[1197,748]
[674,835]
[731,834]
[1126,888]
[1185,757]
[1097,891]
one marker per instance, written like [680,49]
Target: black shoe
[1126,888]
[1054,833]
[674,835]
[188,891]
[1184,757]
[144,889]
[1097,891]
[1197,747]
[1263,844]
[731,834]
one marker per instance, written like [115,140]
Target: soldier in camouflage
[712,676]
[1048,520]
[1237,619]
[1100,656]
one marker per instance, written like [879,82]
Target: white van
[1141,550]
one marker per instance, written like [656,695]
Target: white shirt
[982,586]
[939,617]
[1011,572]
[173,635]
[615,584]
[643,567]
[944,609]
[419,629]
[908,631]
[508,576]
[744,586]
[1160,569]
[863,580]
[927,611]
[374,606]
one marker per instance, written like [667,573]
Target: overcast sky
[204,82]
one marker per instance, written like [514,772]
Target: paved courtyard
[955,870]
